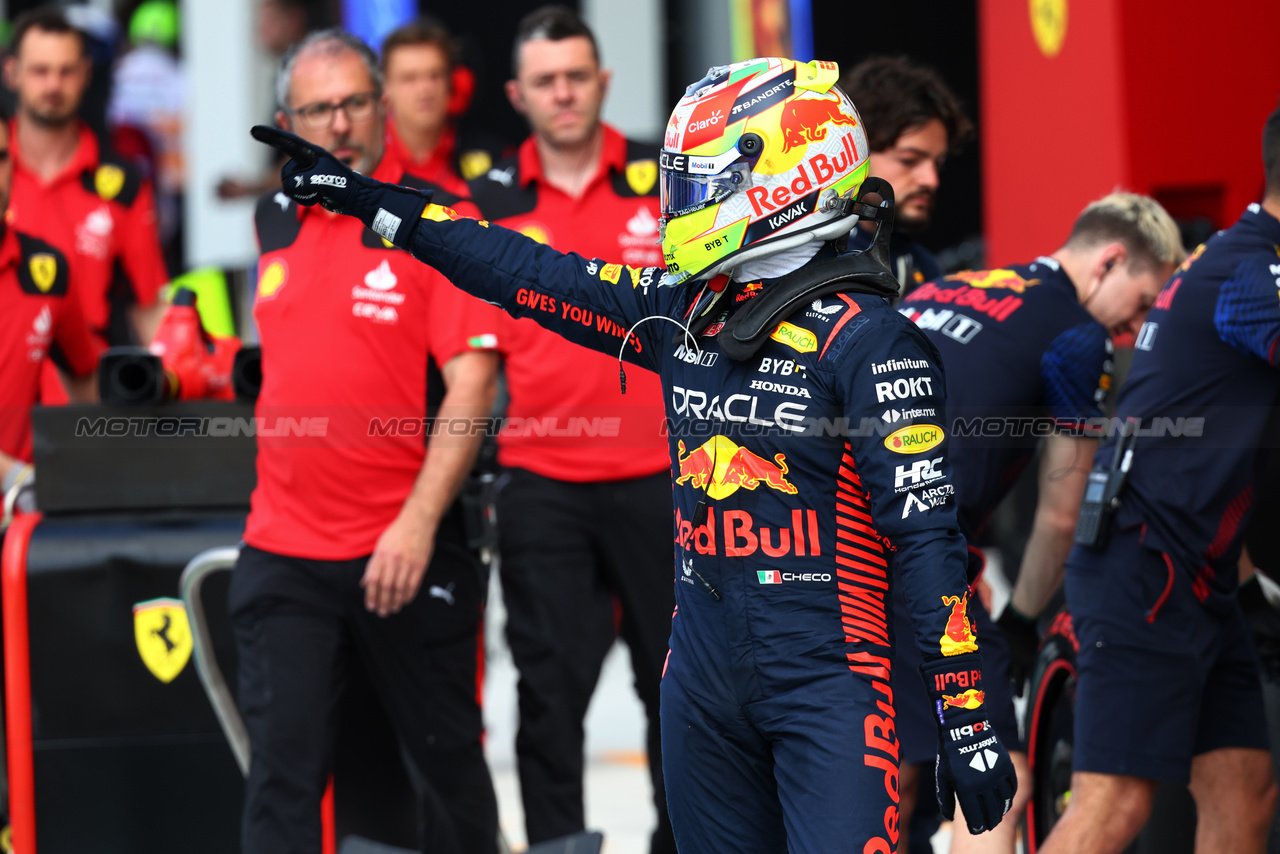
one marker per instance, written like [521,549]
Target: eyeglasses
[357,108]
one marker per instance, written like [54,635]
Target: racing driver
[795,508]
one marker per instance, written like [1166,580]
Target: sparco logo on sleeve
[329,180]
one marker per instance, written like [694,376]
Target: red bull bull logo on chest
[721,467]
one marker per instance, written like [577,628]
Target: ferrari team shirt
[37,311]
[353,333]
[568,418]
[101,214]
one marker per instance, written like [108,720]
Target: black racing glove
[973,765]
[1021,634]
[314,175]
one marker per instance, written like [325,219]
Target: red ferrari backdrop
[1080,97]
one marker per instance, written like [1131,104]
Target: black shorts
[1160,678]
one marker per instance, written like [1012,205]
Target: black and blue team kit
[790,527]
[797,507]
[1022,357]
[1167,667]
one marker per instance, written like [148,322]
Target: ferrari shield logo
[108,181]
[163,635]
[641,176]
[44,269]
[473,164]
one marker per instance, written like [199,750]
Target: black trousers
[569,551]
[299,625]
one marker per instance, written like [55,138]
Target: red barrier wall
[1165,97]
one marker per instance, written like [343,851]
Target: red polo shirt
[36,311]
[567,418]
[353,331]
[100,213]
[437,167]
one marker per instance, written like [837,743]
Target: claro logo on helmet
[765,201]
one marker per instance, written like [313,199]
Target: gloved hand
[973,766]
[314,175]
[1021,634]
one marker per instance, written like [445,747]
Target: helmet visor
[683,192]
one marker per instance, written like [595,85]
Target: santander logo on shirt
[376,299]
[639,243]
[39,338]
[380,278]
[93,235]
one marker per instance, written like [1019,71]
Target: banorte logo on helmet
[758,156]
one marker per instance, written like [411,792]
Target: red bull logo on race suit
[958,636]
[986,279]
[971,699]
[721,467]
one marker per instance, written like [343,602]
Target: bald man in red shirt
[355,549]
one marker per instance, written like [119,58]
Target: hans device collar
[865,272]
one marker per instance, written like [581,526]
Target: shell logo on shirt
[44,271]
[536,231]
[272,279]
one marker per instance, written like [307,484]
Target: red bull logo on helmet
[721,467]
[1007,279]
[805,120]
[959,635]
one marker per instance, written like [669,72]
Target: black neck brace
[866,272]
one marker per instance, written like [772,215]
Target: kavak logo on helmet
[163,636]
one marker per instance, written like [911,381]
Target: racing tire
[1050,726]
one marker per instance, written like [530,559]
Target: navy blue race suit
[796,508]
[764,732]
[1023,359]
[1167,669]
